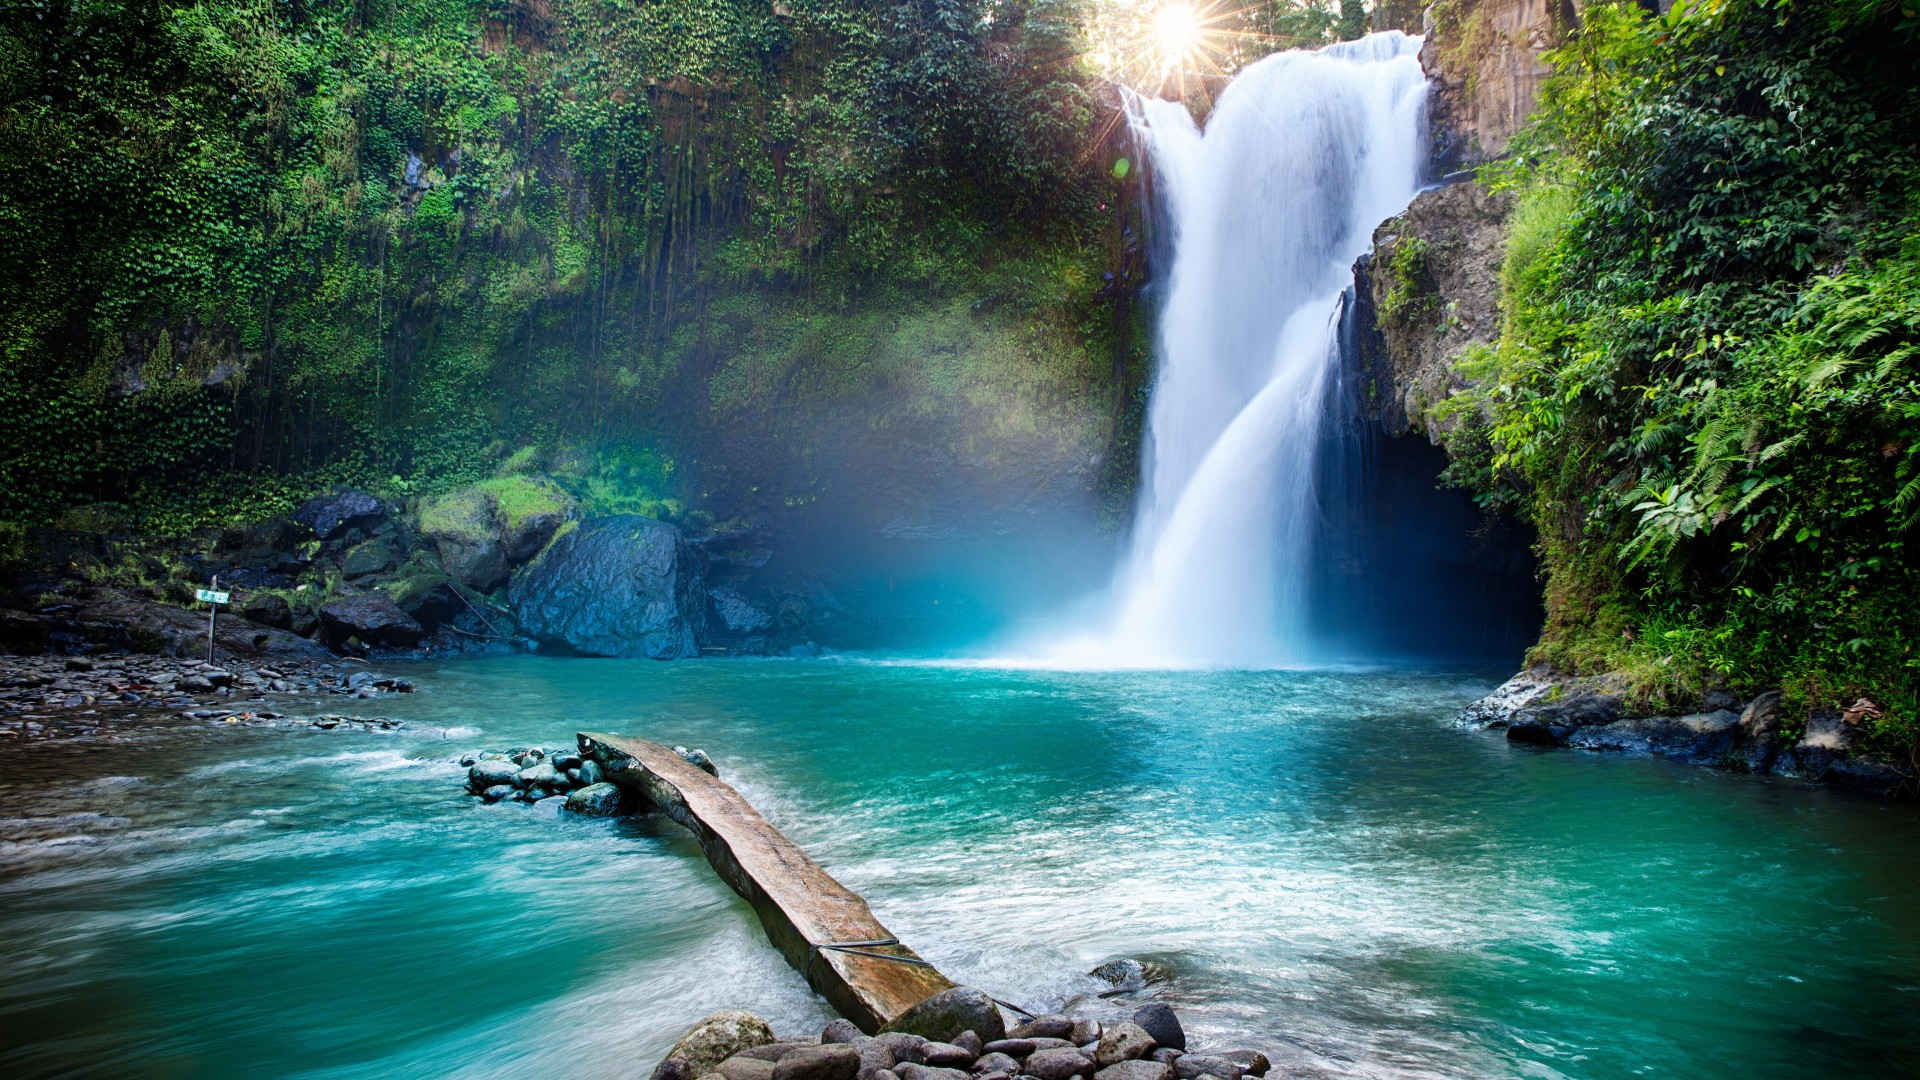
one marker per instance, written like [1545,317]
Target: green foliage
[1410,288]
[264,240]
[1706,391]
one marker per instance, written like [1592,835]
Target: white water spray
[1305,153]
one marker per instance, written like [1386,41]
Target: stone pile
[1148,1044]
[47,695]
[535,774]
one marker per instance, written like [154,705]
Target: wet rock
[1011,1047]
[267,609]
[1532,731]
[773,1051]
[903,1045]
[950,1012]
[598,800]
[1759,735]
[616,586]
[736,614]
[994,1062]
[330,516]
[1252,1062]
[1136,1070]
[946,1055]
[1053,1026]
[1497,709]
[828,1061]
[539,774]
[1157,1019]
[911,1071]
[591,773]
[673,1068]
[1698,738]
[486,774]
[1167,1055]
[970,1042]
[1122,975]
[498,792]
[367,558]
[1123,1042]
[743,1067]
[460,526]
[719,1037]
[373,619]
[1059,1064]
[1085,1033]
[1194,1066]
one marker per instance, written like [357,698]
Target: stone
[911,1071]
[1041,1042]
[1123,1042]
[1122,974]
[596,800]
[904,1046]
[672,1068]
[330,516]
[367,558]
[718,1037]
[616,586]
[1167,1055]
[591,773]
[828,1061]
[541,773]
[970,1042]
[1194,1066]
[497,792]
[1085,1033]
[1253,1062]
[946,1055]
[950,1012]
[875,1056]
[1059,1064]
[373,619]
[1013,1048]
[772,1051]
[1053,1026]
[460,526]
[486,774]
[267,609]
[1156,1018]
[736,614]
[840,1031]
[566,759]
[743,1067]
[993,1062]
[1136,1070]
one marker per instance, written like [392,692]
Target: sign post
[216,598]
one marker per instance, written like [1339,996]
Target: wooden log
[801,906]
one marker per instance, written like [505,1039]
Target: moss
[464,515]
[518,497]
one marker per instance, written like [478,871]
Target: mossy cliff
[1674,325]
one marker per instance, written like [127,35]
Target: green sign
[210,597]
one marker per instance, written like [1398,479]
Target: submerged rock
[616,586]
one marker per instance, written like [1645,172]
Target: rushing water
[1317,864]
[1268,208]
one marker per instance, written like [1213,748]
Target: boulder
[1122,975]
[430,599]
[736,614]
[673,1068]
[904,1046]
[373,619]
[1123,1042]
[616,586]
[911,1071]
[530,510]
[485,774]
[875,1055]
[598,800]
[1053,1026]
[1012,1047]
[267,609]
[719,1037]
[1167,1055]
[330,516]
[1156,1018]
[991,1062]
[1135,1070]
[1061,1063]
[1194,1066]
[542,774]
[367,558]
[460,527]
[946,1055]
[744,1066]
[1253,1062]
[970,1042]
[828,1061]
[840,1031]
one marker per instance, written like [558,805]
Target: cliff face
[1484,57]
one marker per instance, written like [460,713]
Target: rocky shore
[1540,707]
[52,696]
[958,1035]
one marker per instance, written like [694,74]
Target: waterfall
[1305,153]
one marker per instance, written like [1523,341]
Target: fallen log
[824,929]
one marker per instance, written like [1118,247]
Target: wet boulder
[615,586]
[367,558]
[945,1015]
[1123,1042]
[828,1061]
[595,800]
[719,1037]
[267,609]
[460,526]
[1061,1063]
[331,516]
[1135,1070]
[373,619]
[1044,1027]
[1157,1019]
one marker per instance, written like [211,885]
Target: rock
[1194,1066]
[970,1042]
[591,773]
[946,1055]
[1167,1055]
[719,1037]
[267,609]
[1059,1064]
[498,792]
[1053,1026]
[1123,974]
[460,526]
[486,774]
[904,1046]
[330,516]
[735,614]
[1156,1018]
[840,1031]
[1123,1042]
[993,1062]
[369,557]
[598,800]
[616,586]
[874,1055]
[373,619]
[566,759]
[1758,740]
[1700,738]
[1014,1048]
[827,1061]
[773,1051]
[1252,1062]
[950,1012]
[743,1067]
[911,1071]
[1041,1042]
[540,774]
[673,1068]
[1085,1033]
[1136,1070]
[1532,731]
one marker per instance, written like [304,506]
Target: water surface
[1317,864]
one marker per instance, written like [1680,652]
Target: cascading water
[1269,207]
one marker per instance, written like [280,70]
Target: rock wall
[1484,57]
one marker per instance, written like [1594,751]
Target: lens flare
[1177,31]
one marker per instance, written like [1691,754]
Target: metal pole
[212,616]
